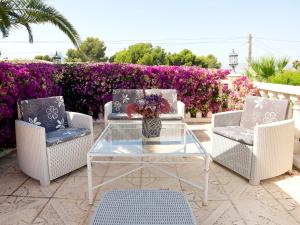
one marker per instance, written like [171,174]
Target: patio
[231,199]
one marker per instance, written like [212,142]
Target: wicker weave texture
[68,156]
[143,207]
[232,154]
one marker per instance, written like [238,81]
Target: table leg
[206,170]
[90,179]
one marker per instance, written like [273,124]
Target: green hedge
[287,77]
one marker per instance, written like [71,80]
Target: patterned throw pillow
[121,98]
[46,112]
[169,94]
[259,110]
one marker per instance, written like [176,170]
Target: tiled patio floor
[231,199]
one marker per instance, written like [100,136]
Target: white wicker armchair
[46,163]
[269,154]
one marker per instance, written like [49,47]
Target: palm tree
[265,67]
[23,13]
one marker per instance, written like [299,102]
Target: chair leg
[254,181]
[44,182]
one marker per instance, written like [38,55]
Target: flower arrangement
[150,106]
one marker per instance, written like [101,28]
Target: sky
[206,27]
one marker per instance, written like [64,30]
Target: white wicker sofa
[256,142]
[115,110]
[45,154]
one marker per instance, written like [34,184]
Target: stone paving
[231,199]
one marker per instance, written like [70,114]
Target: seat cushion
[258,110]
[123,116]
[46,112]
[66,134]
[237,133]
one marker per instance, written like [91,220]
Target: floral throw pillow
[259,110]
[121,98]
[169,94]
[46,112]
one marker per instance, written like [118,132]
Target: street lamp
[233,59]
[57,58]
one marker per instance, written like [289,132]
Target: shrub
[265,67]
[22,81]
[241,87]
[288,77]
[87,87]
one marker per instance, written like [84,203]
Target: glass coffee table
[125,144]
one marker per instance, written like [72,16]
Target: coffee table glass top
[126,139]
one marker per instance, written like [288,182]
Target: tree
[187,58]
[44,57]
[296,64]
[263,68]
[141,53]
[90,50]
[24,13]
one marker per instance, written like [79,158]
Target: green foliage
[90,50]
[141,53]
[187,58]
[146,54]
[287,77]
[265,67]
[296,64]
[24,13]
[44,57]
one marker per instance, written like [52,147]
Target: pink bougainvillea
[87,87]
[241,87]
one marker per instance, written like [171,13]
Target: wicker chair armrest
[80,120]
[107,111]
[223,119]
[181,109]
[31,149]
[273,144]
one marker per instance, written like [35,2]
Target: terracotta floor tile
[32,188]
[63,212]
[20,210]
[11,182]
[75,188]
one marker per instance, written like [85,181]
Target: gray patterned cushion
[259,110]
[66,134]
[123,116]
[236,133]
[121,98]
[169,94]
[46,112]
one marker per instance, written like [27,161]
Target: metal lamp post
[57,58]
[233,59]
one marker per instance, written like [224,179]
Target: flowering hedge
[87,87]
[241,87]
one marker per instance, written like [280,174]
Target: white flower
[52,112]
[125,98]
[26,101]
[34,121]
[117,105]
[270,117]
[61,123]
[259,103]
[59,101]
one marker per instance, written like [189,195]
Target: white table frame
[139,159]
